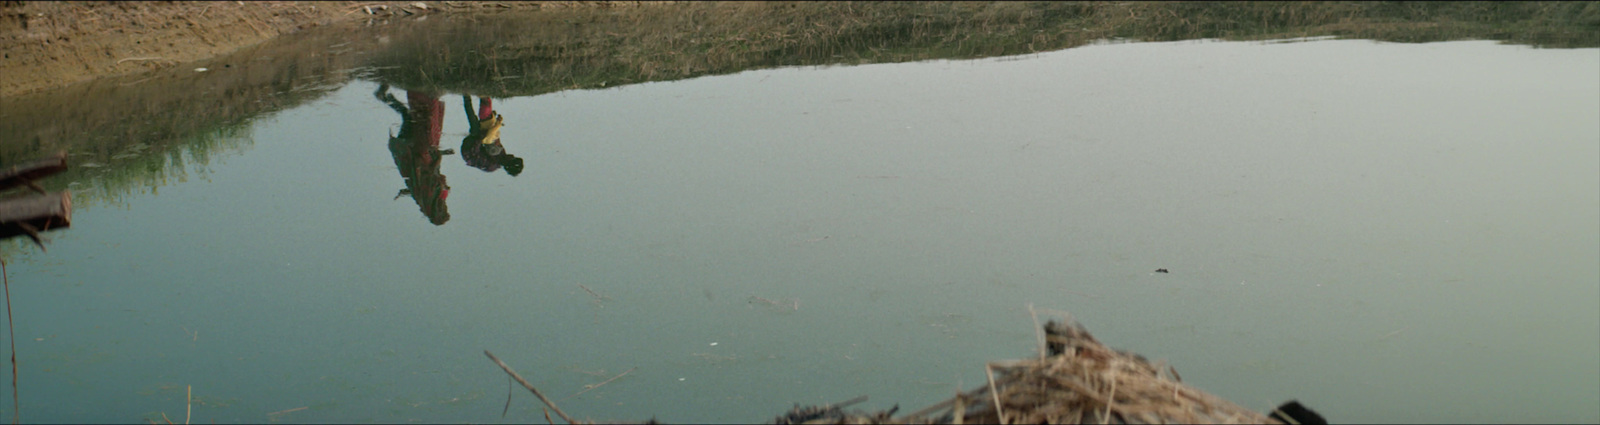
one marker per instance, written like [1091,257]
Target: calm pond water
[1387,232]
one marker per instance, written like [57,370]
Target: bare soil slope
[49,44]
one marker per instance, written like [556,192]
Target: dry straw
[1076,379]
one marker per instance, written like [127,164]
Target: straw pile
[1076,379]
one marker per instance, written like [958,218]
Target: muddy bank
[54,44]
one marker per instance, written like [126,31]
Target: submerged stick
[847,403]
[999,412]
[958,414]
[188,403]
[508,398]
[1038,332]
[16,404]
[974,393]
[597,297]
[586,388]
[530,387]
[1110,399]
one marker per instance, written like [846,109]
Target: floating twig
[16,416]
[597,297]
[714,357]
[1038,331]
[847,403]
[508,398]
[917,415]
[586,388]
[530,387]
[958,412]
[286,411]
[999,412]
[1105,418]
[792,304]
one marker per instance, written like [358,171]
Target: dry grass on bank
[1075,379]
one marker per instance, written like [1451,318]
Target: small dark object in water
[830,413]
[1161,271]
[1292,412]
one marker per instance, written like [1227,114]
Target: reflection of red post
[417,155]
[426,109]
[416,150]
[485,108]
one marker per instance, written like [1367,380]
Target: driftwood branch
[20,175]
[530,388]
[35,214]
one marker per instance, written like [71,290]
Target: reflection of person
[416,151]
[482,148]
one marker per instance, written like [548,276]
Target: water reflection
[482,148]
[986,197]
[140,143]
[416,150]
[145,131]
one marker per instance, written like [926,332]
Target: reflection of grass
[136,170]
[190,400]
[131,135]
[1548,24]
[533,53]
[110,177]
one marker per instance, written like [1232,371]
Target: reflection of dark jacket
[416,151]
[481,148]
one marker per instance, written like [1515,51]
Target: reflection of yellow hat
[491,128]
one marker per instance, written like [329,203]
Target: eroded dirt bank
[49,45]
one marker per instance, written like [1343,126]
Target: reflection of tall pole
[416,151]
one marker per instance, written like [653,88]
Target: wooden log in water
[25,174]
[35,214]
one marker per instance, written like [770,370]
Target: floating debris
[1075,379]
